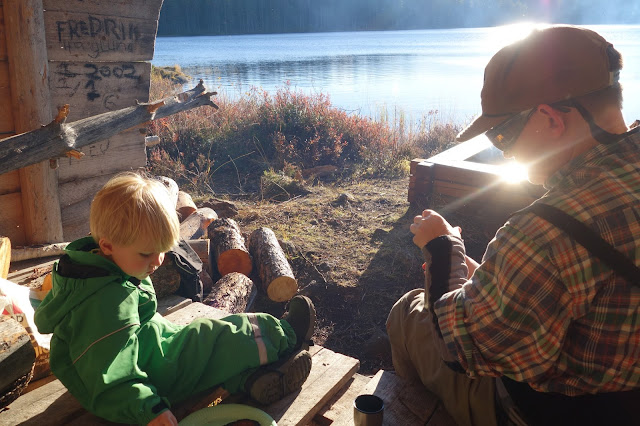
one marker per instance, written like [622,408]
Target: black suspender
[589,239]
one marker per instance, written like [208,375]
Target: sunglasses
[505,134]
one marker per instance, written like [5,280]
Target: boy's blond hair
[132,207]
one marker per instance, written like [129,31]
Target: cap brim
[479,126]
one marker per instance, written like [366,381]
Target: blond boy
[124,361]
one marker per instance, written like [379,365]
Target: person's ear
[106,246]
[555,120]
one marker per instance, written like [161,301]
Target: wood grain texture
[16,353]
[78,36]
[5,256]
[124,151]
[233,293]
[330,372]
[11,218]
[149,9]
[7,127]
[9,182]
[91,88]
[228,250]
[28,70]
[57,138]
[195,226]
[276,275]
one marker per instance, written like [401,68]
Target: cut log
[195,226]
[201,247]
[172,187]
[276,275]
[185,205]
[5,256]
[56,139]
[233,293]
[223,208]
[17,358]
[229,252]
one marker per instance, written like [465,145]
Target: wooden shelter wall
[11,214]
[98,62]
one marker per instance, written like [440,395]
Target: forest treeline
[218,17]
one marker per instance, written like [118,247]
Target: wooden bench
[47,401]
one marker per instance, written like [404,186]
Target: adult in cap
[546,330]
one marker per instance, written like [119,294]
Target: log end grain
[234,260]
[282,289]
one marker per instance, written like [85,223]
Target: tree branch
[58,138]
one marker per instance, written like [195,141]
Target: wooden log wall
[98,60]
[11,214]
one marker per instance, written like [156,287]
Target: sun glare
[507,34]
[513,172]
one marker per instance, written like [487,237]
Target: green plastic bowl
[222,414]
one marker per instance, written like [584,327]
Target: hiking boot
[301,316]
[273,382]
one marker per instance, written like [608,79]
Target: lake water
[373,73]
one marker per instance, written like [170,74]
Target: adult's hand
[431,225]
[166,418]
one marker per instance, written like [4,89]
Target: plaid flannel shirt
[540,309]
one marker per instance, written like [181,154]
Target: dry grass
[351,251]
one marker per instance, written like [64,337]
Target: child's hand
[165,419]
[429,226]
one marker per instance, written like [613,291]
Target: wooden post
[5,256]
[28,70]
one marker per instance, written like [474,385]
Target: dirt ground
[351,251]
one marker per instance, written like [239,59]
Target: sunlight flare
[513,172]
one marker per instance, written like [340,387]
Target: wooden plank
[405,402]
[80,180]
[21,272]
[91,88]
[202,248]
[9,182]
[330,371]
[75,203]
[124,151]
[28,70]
[75,191]
[128,8]
[3,39]
[171,303]
[5,256]
[11,223]
[195,310]
[75,220]
[7,128]
[340,406]
[73,36]
[50,404]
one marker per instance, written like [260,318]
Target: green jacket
[125,362]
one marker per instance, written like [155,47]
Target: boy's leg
[277,378]
[272,382]
[469,401]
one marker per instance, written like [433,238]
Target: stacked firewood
[231,262]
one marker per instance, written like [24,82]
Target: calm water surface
[373,73]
